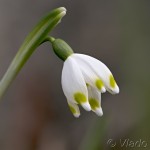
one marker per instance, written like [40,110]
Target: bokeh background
[34,114]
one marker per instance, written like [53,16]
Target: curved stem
[33,40]
[48,38]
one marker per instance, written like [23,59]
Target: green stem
[94,139]
[50,39]
[33,40]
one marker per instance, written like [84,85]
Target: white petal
[101,70]
[86,106]
[73,84]
[90,76]
[74,109]
[99,111]
[93,93]
[94,97]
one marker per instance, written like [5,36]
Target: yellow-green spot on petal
[94,103]
[112,81]
[87,84]
[80,98]
[72,109]
[99,84]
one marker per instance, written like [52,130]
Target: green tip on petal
[112,81]
[99,84]
[75,112]
[72,109]
[80,98]
[87,84]
[94,103]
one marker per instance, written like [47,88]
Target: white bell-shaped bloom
[84,78]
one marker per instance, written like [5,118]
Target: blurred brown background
[34,114]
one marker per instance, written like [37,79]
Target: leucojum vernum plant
[83,79]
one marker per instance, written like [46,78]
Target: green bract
[33,40]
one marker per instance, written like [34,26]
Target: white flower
[84,78]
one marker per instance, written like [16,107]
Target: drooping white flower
[84,78]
